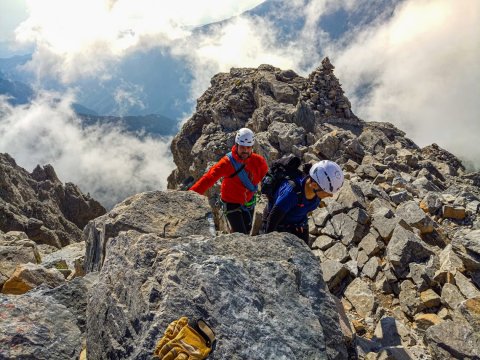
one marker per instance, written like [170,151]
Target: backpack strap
[242,174]
[237,171]
[298,191]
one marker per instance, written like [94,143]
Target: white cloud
[126,96]
[78,38]
[102,160]
[424,65]
[242,42]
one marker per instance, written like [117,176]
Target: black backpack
[284,169]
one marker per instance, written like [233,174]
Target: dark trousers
[239,217]
[300,231]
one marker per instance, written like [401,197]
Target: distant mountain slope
[10,67]
[151,82]
[337,22]
[152,124]
[17,92]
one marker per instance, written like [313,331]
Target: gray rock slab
[423,274]
[168,214]
[73,295]
[370,269]
[465,286]
[320,216]
[453,340]
[34,326]
[333,273]
[467,248]
[415,216]
[384,221]
[265,293]
[451,296]
[400,197]
[323,242]
[371,243]
[406,247]
[361,296]
[337,252]
[410,301]
[351,196]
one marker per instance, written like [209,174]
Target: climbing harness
[246,207]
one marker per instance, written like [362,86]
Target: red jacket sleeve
[220,169]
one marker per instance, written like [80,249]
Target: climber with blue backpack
[292,194]
[241,170]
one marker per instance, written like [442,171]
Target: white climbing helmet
[245,137]
[328,175]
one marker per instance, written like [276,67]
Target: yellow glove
[182,342]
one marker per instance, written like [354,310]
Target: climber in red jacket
[242,170]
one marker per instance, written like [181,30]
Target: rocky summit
[40,205]
[392,270]
[398,245]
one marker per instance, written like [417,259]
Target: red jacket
[233,190]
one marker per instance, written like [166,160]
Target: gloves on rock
[184,342]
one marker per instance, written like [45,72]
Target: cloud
[241,42]
[128,95]
[423,68]
[79,38]
[105,161]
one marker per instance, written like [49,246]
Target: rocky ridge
[399,245]
[39,205]
[42,279]
[41,223]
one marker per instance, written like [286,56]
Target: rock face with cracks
[264,296]
[167,214]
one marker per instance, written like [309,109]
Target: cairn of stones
[325,94]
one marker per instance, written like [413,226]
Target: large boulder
[453,340]
[15,249]
[264,296]
[404,248]
[168,214]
